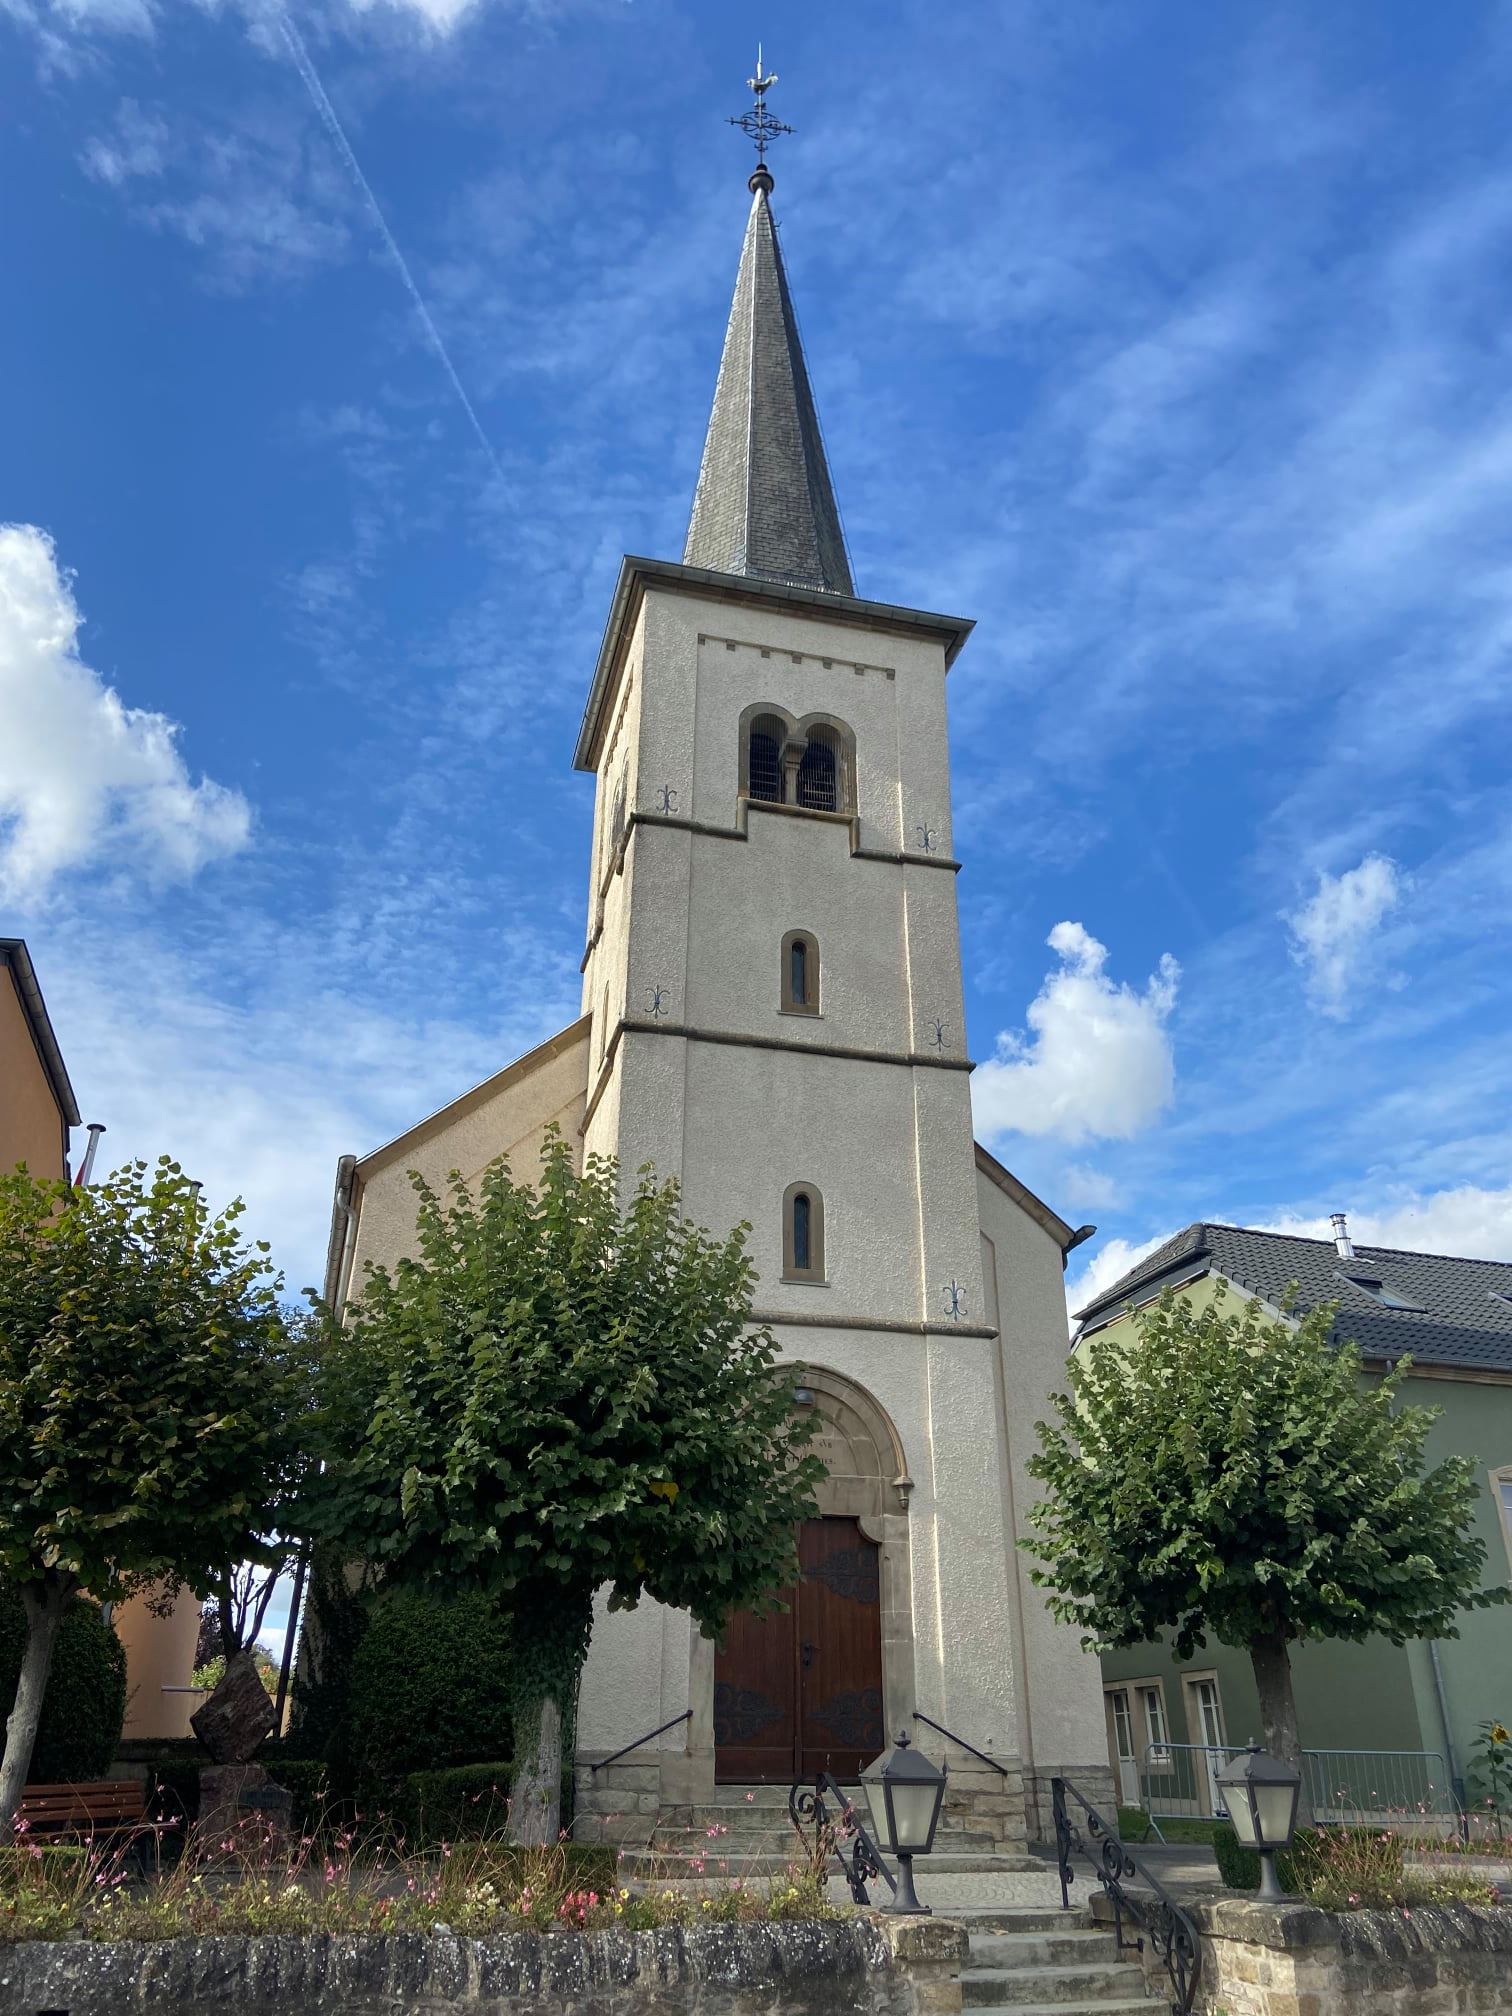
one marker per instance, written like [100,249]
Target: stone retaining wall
[857,1966]
[1293,1960]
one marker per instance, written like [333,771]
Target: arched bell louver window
[800,974]
[808,764]
[802,1233]
[819,771]
[768,733]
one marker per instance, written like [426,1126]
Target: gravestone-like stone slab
[238,1717]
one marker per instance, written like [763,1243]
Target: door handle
[807,1652]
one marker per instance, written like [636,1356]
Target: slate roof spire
[765,505]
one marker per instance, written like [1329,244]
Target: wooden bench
[89,1812]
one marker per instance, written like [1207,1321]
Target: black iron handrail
[805,1804]
[1173,1937]
[961,1743]
[686,1716]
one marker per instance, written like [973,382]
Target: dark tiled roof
[1460,1321]
[765,505]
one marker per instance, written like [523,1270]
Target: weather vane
[759,123]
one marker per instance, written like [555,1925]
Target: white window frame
[1501,1499]
[1190,1681]
[1157,1749]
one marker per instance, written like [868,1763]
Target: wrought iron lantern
[1261,1794]
[904,1791]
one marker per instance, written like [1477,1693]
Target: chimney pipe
[96,1129]
[1343,1245]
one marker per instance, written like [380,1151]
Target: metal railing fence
[1364,1787]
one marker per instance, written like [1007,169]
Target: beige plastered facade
[939,1326]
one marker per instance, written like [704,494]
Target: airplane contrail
[334,127]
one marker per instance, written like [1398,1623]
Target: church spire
[764,504]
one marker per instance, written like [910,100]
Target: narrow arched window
[803,1228]
[764,758]
[802,1233]
[800,974]
[819,771]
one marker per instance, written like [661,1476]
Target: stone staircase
[745,1831]
[1044,1962]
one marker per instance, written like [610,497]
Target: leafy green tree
[556,1397]
[150,1401]
[1227,1473]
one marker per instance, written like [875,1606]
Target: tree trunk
[44,1603]
[1278,1708]
[535,1786]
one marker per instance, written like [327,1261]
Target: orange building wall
[159,1654]
[31,1127]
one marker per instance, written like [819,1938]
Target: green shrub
[60,1858]
[308,1784]
[429,1688]
[176,1783]
[463,1802]
[1240,1867]
[336,1623]
[85,1703]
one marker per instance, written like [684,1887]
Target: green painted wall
[1378,1696]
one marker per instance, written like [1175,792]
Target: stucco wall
[506,1115]
[1061,1722]
[692,928]
[31,1127]
[159,1657]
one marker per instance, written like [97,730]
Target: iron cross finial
[759,124]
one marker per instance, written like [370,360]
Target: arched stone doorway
[820,1686]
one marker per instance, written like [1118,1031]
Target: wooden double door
[800,1690]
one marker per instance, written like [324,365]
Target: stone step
[991,1921]
[1019,1874]
[738,1815]
[779,1838]
[1094,1987]
[1099,2005]
[1047,1946]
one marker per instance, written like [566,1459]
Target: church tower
[773,977]
[772,1012]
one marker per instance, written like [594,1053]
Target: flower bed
[337,1882]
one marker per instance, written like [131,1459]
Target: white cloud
[83,777]
[260,1059]
[1469,1221]
[440,17]
[1106,1266]
[136,145]
[1099,1060]
[1081,1188]
[1332,935]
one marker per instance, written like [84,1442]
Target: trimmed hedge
[307,1781]
[85,1703]
[1240,1867]
[429,1689]
[460,1803]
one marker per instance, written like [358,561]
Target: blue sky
[1170,343]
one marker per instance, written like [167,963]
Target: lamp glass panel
[1238,1800]
[876,1799]
[1276,1812]
[913,1811]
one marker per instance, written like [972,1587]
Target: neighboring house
[772,1012]
[1454,1319]
[37,1112]
[37,1104]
